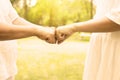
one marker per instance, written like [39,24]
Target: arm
[45,33]
[9,31]
[22,29]
[96,25]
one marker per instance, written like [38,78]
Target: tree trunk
[91,12]
[25,9]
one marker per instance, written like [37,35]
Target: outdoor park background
[38,60]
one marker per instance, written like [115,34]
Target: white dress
[8,49]
[103,58]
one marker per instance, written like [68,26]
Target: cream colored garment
[103,58]
[8,49]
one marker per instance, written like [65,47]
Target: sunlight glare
[33,2]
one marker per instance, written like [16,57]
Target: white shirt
[8,49]
[103,58]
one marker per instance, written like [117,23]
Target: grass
[33,64]
[51,66]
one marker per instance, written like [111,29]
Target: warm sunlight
[32,2]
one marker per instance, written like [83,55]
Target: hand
[63,32]
[46,33]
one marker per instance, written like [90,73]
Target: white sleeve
[114,15]
[12,13]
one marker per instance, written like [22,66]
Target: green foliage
[57,12]
[12,1]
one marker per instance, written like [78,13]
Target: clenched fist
[46,33]
[63,32]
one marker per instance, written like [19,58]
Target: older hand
[63,32]
[46,33]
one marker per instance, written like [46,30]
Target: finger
[56,34]
[47,40]
[62,39]
[52,38]
[59,42]
[59,38]
[51,41]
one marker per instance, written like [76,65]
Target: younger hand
[63,32]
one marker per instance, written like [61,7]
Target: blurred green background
[38,60]
[54,12]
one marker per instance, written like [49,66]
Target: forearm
[44,33]
[9,32]
[96,25]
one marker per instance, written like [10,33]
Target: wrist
[33,31]
[38,30]
[73,28]
[78,27]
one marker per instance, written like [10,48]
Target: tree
[12,1]
[56,12]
